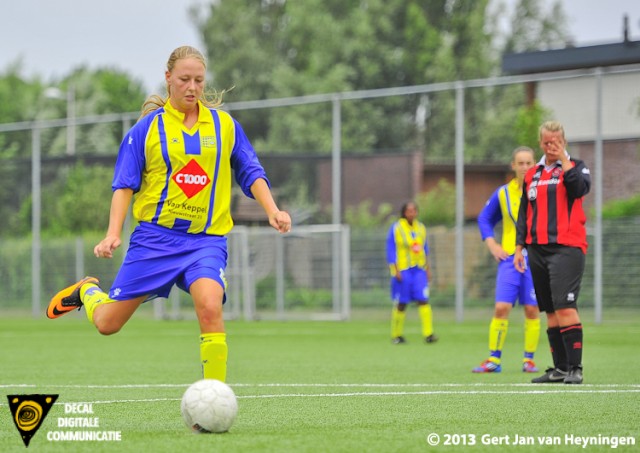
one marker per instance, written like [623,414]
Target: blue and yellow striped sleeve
[490,215]
[391,250]
[131,160]
[426,242]
[245,162]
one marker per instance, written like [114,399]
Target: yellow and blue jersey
[181,177]
[504,205]
[407,245]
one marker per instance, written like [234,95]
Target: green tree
[20,99]
[277,49]
[77,202]
[97,92]
[534,26]
[629,207]
[528,121]
[438,206]
[465,53]
[283,49]
[510,119]
[363,216]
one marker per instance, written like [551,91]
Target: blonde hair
[211,99]
[551,126]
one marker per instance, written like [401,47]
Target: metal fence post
[459,202]
[36,212]
[597,187]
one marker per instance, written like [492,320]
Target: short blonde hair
[551,126]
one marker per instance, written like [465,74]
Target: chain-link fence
[43,186]
[298,277]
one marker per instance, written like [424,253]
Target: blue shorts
[512,285]
[413,287]
[158,258]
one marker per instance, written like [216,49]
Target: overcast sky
[51,37]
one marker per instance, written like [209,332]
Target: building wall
[479,183]
[573,103]
[620,167]
[379,178]
[396,178]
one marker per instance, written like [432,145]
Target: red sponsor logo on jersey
[191,179]
[577,345]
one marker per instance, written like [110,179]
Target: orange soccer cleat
[68,299]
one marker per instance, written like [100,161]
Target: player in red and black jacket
[551,226]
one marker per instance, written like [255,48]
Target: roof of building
[626,52]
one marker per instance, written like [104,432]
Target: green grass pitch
[321,386]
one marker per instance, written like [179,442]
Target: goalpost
[301,275]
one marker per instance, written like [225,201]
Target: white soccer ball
[209,406]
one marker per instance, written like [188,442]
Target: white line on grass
[470,384]
[440,392]
[368,394]
[317,385]
[546,391]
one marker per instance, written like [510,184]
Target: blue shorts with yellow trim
[159,258]
[414,286]
[512,285]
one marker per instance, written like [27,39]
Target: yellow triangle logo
[28,413]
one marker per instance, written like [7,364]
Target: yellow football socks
[91,296]
[397,322]
[531,335]
[426,316]
[497,335]
[213,355]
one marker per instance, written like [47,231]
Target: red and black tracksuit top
[551,206]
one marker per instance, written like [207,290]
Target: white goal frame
[311,260]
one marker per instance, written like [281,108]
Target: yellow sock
[426,316]
[497,335]
[213,355]
[91,296]
[531,335]
[397,322]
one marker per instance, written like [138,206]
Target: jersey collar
[204,115]
[543,161]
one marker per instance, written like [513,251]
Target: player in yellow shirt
[511,285]
[176,164]
[408,260]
